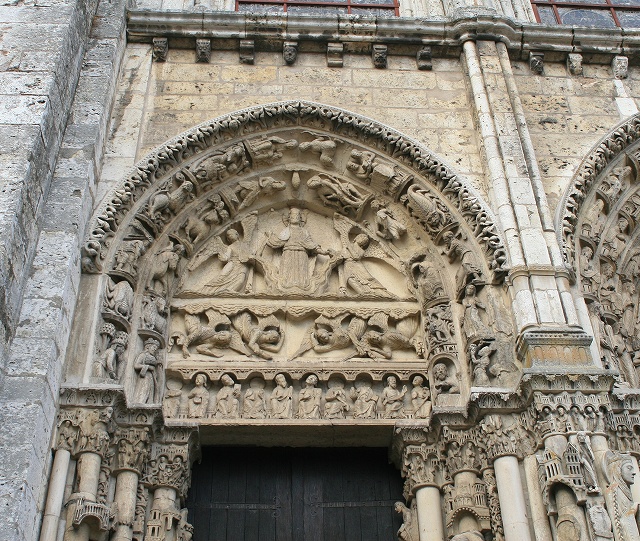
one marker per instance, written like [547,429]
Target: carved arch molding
[600,239]
[282,262]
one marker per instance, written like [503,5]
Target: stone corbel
[379,56]
[203,50]
[574,63]
[160,49]
[423,59]
[620,66]
[290,52]
[247,51]
[536,62]
[335,52]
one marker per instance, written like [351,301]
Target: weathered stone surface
[402,331]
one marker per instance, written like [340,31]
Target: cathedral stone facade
[415,230]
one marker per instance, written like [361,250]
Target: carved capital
[85,430]
[169,467]
[508,435]
[623,429]
[132,449]
[421,466]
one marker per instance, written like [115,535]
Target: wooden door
[285,494]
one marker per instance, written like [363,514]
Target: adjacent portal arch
[600,238]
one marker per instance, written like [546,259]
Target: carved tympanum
[283,237]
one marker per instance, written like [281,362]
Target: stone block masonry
[58,70]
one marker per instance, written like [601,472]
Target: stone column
[88,469]
[92,444]
[132,453]
[511,495]
[55,495]
[429,508]
[418,457]
[168,477]
[541,527]
[125,499]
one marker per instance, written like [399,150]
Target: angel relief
[347,260]
[236,256]
[346,289]
[375,337]
[243,333]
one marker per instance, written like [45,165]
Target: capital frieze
[85,430]
[132,445]
[422,466]
[169,467]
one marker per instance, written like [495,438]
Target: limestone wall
[58,61]
[567,115]
[156,101]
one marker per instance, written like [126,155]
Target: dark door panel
[286,494]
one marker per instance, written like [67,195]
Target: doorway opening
[294,494]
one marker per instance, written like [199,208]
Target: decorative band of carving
[606,151]
[196,142]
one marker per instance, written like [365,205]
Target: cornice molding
[446,37]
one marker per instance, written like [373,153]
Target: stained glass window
[590,13]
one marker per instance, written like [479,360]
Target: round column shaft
[88,479]
[55,495]
[125,499]
[511,496]
[429,508]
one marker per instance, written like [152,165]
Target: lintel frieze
[444,37]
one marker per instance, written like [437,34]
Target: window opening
[593,13]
